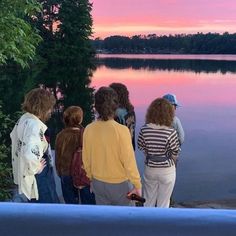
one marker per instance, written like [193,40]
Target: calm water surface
[205,86]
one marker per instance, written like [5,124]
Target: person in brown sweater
[67,143]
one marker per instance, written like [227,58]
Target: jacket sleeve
[32,148]
[128,158]
[14,154]
[85,154]
[179,128]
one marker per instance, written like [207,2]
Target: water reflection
[206,169]
[176,64]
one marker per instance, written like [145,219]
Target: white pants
[158,184]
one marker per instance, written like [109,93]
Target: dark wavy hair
[123,96]
[160,112]
[106,103]
[39,102]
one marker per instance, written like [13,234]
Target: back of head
[39,102]
[160,112]
[73,116]
[172,99]
[106,103]
[123,95]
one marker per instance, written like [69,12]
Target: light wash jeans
[158,184]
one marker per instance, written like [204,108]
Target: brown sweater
[67,142]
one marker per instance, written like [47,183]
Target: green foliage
[6,125]
[5,175]
[67,50]
[18,40]
[75,53]
[15,82]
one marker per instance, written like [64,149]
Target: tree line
[200,43]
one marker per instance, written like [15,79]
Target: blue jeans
[46,186]
[72,195]
[86,197]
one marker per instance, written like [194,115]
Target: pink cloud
[163,16]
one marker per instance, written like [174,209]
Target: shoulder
[145,129]
[122,129]
[68,132]
[172,132]
[121,111]
[169,129]
[91,125]
[30,120]
[176,120]
[34,126]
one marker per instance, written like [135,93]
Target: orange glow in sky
[134,17]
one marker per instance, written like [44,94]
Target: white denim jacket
[28,147]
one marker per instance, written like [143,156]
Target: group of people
[107,146]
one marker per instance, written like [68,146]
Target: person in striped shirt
[160,144]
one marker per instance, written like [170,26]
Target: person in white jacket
[31,157]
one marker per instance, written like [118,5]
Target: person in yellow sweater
[108,155]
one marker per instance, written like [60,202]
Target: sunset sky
[133,17]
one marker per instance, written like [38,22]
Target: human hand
[135,195]
[135,191]
[91,189]
[42,165]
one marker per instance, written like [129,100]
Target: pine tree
[66,27]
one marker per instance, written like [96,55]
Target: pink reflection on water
[191,89]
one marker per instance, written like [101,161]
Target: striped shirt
[159,143]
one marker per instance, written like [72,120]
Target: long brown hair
[123,96]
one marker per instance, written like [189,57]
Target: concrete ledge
[67,220]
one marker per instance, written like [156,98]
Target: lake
[205,86]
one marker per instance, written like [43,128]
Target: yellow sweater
[108,154]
